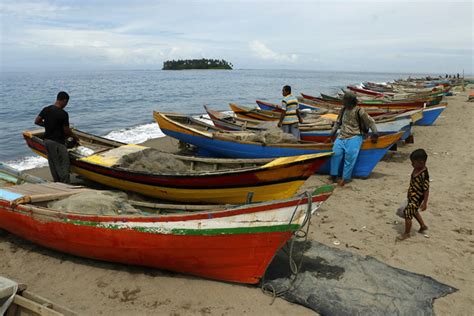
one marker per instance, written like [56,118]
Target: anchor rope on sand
[301,233]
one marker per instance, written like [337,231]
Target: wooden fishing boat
[393,105]
[228,145]
[267,106]
[431,114]
[228,243]
[204,180]
[254,113]
[365,91]
[317,132]
[424,116]
[235,123]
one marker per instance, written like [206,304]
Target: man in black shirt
[56,123]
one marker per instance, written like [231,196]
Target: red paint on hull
[241,258]
[250,178]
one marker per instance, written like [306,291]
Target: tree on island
[196,64]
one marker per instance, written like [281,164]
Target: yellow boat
[204,180]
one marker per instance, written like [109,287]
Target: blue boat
[430,114]
[228,144]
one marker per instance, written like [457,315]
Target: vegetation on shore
[196,64]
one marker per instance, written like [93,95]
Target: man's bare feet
[403,237]
[423,229]
[341,183]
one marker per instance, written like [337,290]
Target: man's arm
[369,121]
[337,124]
[283,113]
[298,114]
[39,121]
[69,133]
[280,121]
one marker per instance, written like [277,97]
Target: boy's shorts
[408,209]
[411,209]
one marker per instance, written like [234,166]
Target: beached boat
[383,104]
[235,123]
[317,132]
[201,180]
[365,91]
[428,115]
[228,243]
[431,114]
[254,113]
[228,144]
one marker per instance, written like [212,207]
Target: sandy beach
[361,216]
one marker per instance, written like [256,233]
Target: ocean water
[118,104]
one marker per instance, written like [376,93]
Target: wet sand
[360,216]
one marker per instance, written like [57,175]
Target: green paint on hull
[192,232]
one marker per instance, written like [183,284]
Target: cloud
[265,53]
[31,8]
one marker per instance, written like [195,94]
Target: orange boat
[228,243]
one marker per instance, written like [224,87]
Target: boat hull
[234,245]
[210,145]
[430,115]
[268,183]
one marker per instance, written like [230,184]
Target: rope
[300,233]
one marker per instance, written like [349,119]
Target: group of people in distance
[351,127]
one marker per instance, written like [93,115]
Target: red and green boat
[228,243]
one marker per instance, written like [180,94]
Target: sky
[382,36]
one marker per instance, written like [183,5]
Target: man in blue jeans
[353,123]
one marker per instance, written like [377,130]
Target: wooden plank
[43,301]
[34,307]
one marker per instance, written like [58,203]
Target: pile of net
[317,123]
[153,161]
[94,203]
[273,135]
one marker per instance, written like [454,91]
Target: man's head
[286,91]
[62,99]
[418,158]
[349,100]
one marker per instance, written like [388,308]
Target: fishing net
[336,282]
[153,161]
[94,202]
[272,135]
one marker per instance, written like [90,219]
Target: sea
[118,104]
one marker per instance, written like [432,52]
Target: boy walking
[418,192]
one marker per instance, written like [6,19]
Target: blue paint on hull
[429,116]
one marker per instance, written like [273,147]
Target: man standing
[291,117]
[353,123]
[56,123]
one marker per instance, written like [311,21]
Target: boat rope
[301,233]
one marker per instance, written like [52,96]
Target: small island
[196,64]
